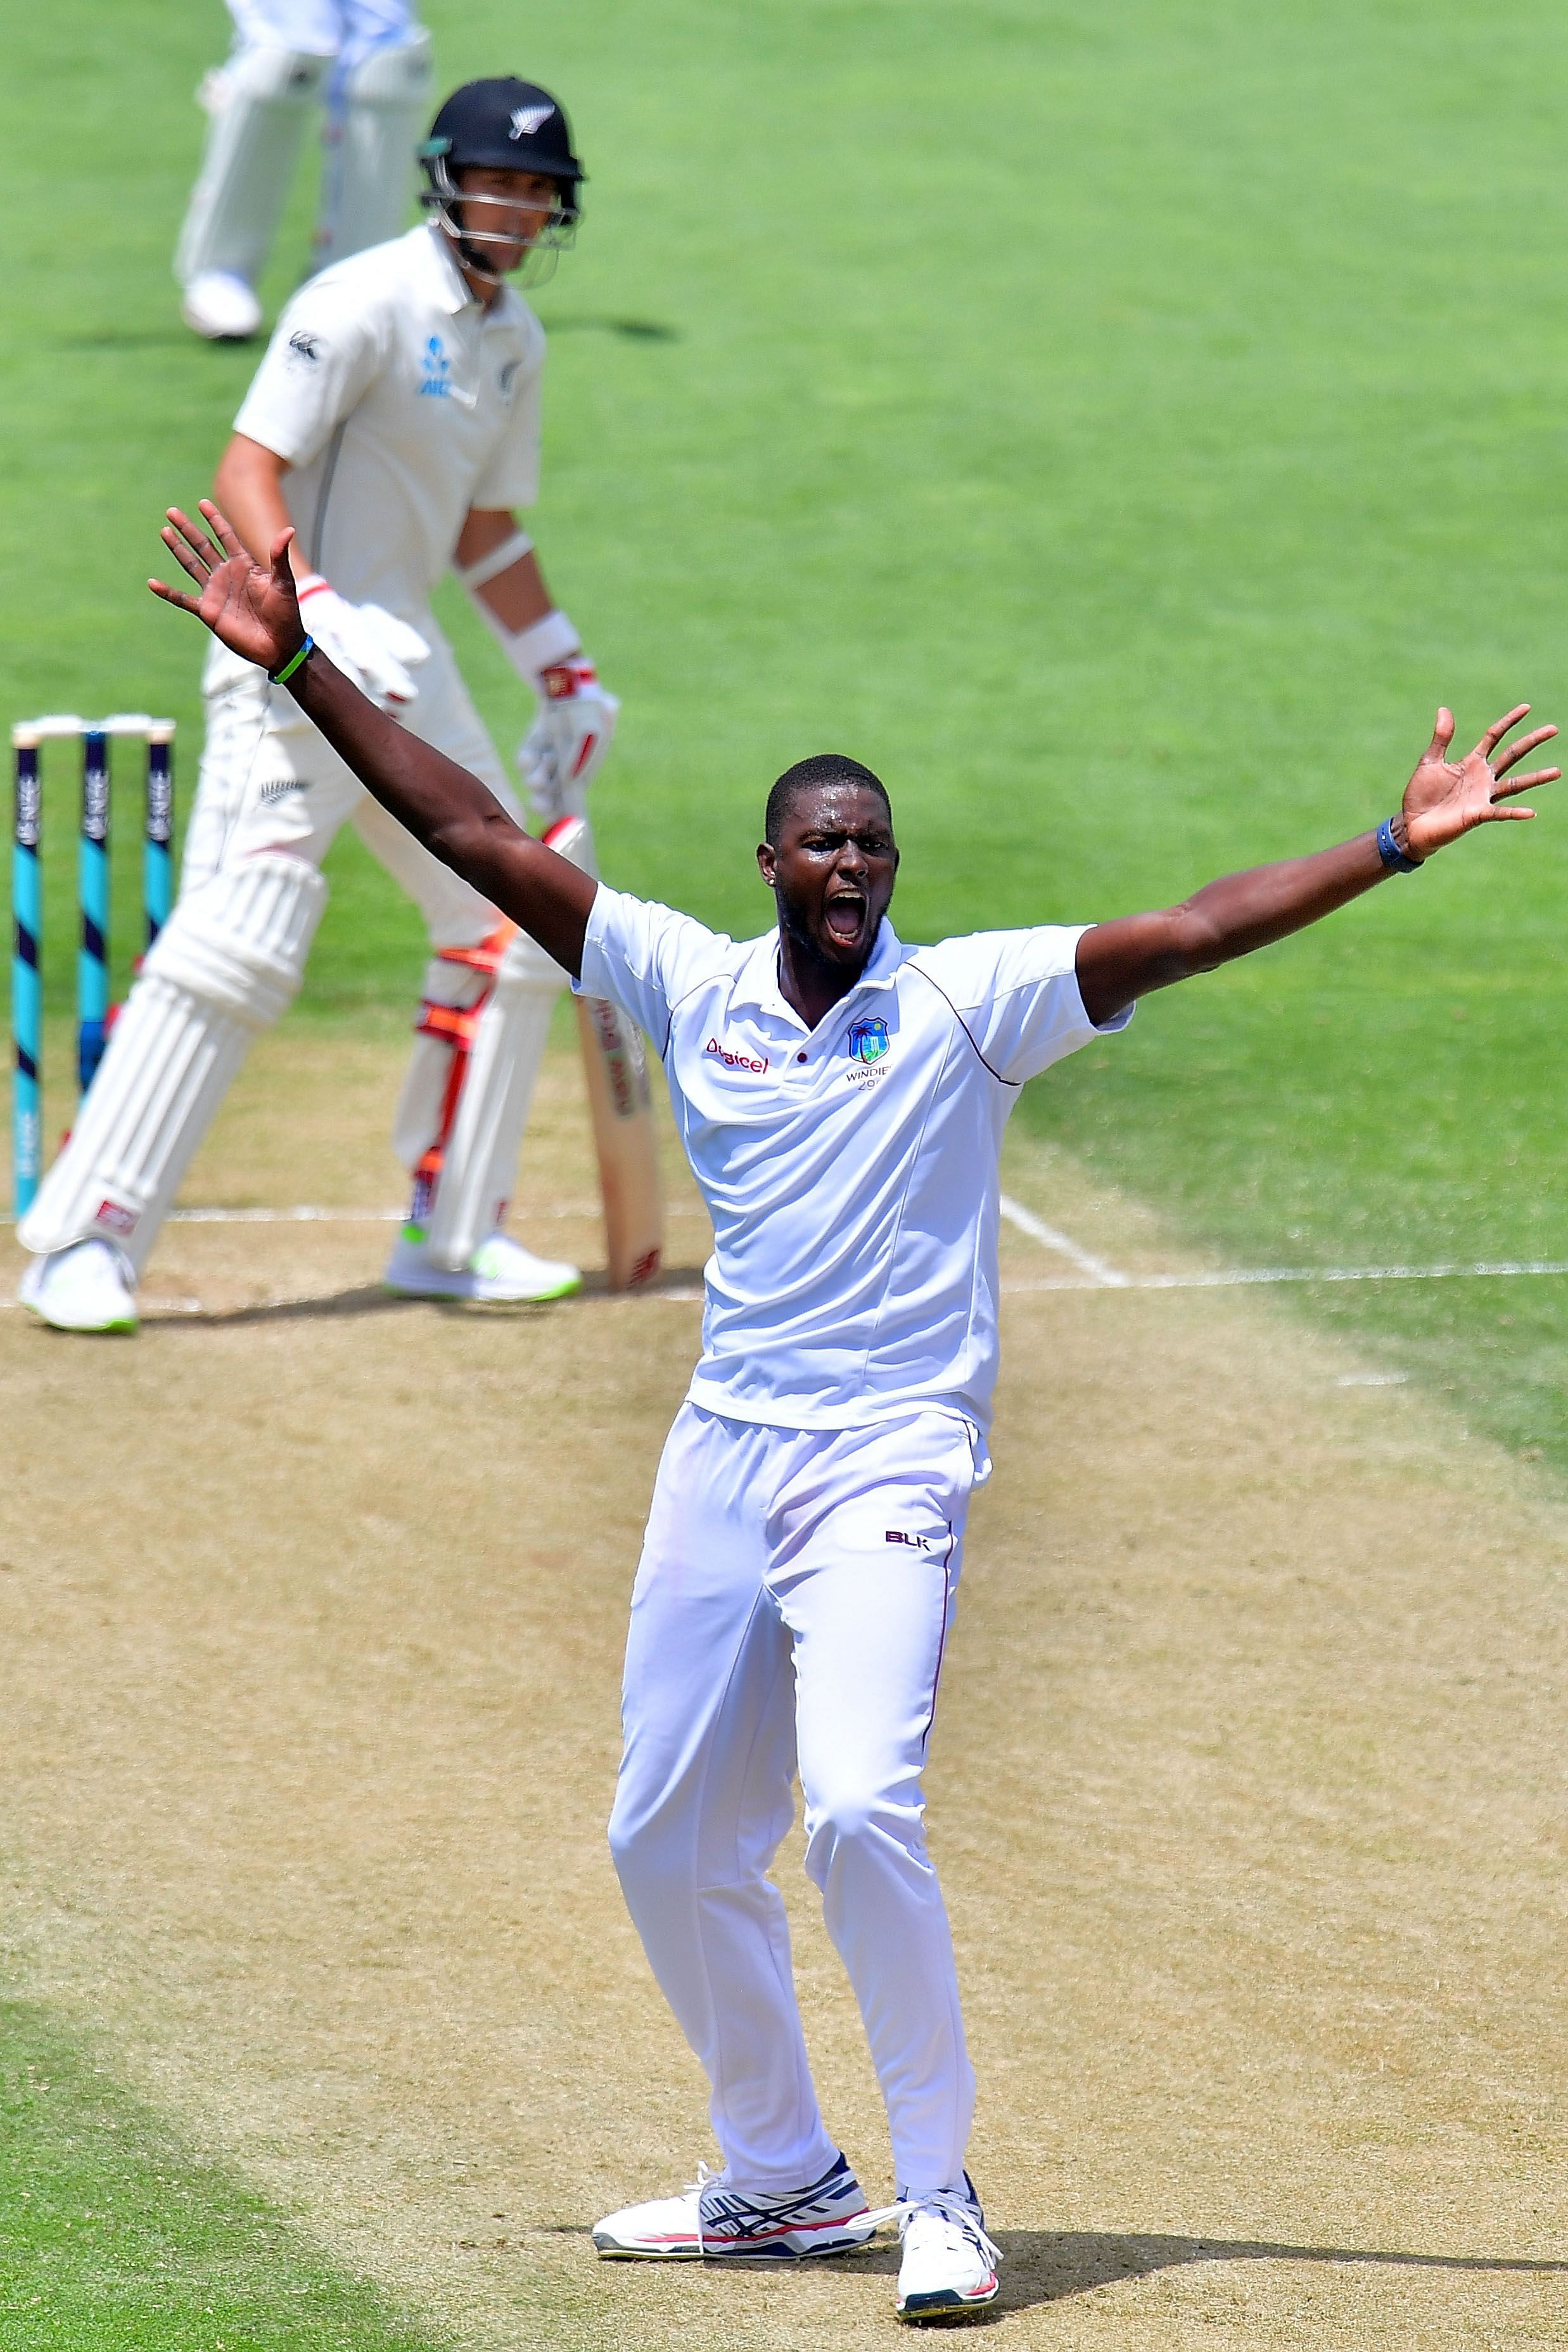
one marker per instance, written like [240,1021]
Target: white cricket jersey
[850,1171]
[398,403]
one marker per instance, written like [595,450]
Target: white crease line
[1048,1238]
[287,1216]
[1230,1277]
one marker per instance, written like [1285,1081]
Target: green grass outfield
[114,2237]
[1119,427]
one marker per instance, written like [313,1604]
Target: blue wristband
[1392,856]
[281,677]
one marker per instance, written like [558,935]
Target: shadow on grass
[634,330]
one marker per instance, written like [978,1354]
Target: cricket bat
[617,1071]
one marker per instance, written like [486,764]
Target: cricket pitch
[1246,1787]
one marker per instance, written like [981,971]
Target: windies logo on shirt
[867,1040]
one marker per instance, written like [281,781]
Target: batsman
[841,1097]
[394,426]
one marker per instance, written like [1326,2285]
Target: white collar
[757,982]
[451,291]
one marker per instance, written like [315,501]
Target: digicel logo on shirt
[736,1061]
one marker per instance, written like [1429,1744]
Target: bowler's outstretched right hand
[250,606]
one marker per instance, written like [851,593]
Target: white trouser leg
[226,963]
[704,1797]
[262,98]
[871,1619]
[768,1550]
[378,110]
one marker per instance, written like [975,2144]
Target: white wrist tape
[500,559]
[533,650]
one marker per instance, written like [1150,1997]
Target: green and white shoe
[90,1287]
[500,1269]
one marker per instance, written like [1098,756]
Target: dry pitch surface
[1247,1790]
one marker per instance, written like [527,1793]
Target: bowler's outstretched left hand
[1445,798]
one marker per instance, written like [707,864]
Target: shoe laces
[952,2206]
[706,2180]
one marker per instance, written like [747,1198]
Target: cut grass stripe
[114,2237]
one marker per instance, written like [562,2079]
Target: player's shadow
[1045,2266]
[371,1298]
[633,331]
[138,339]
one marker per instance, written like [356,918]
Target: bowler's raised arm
[1121,960]
[252,609]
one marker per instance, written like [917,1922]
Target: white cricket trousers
[791,1611]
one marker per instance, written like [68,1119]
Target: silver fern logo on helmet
[525,120]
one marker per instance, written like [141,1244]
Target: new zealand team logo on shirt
[867,1040]
[435,383]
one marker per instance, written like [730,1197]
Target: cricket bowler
[394,426]
[841,1097]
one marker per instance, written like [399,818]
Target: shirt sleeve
[1016,994]
[511,474]
[644,958]
[320,364]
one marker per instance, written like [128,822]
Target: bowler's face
[832,870]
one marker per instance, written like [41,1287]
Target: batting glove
[558,756]
[370,645]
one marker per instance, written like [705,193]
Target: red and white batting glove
[558,757]
[368,645]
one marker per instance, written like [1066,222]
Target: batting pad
[234,205]
[480,1162]
[226,965]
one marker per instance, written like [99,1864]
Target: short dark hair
[810,775]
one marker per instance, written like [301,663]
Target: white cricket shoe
[499,1269]
[221,306]
[709,2221]
[950,2265]
[90,1287]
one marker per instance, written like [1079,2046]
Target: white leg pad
[479,1163]
[264,96]
[374,126]
[226,963]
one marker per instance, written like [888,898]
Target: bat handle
[571,837]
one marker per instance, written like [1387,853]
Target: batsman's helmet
[502,125]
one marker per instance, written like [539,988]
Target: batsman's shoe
[709,2221]
[221,306]
[90,1287]
[500,1269]
[950,2265]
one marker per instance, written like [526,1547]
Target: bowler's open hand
[251,606]
[1447,797]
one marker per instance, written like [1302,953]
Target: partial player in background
[394,422]
[367,63]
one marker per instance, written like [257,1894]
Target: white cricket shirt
[398,402]
[850,1171]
